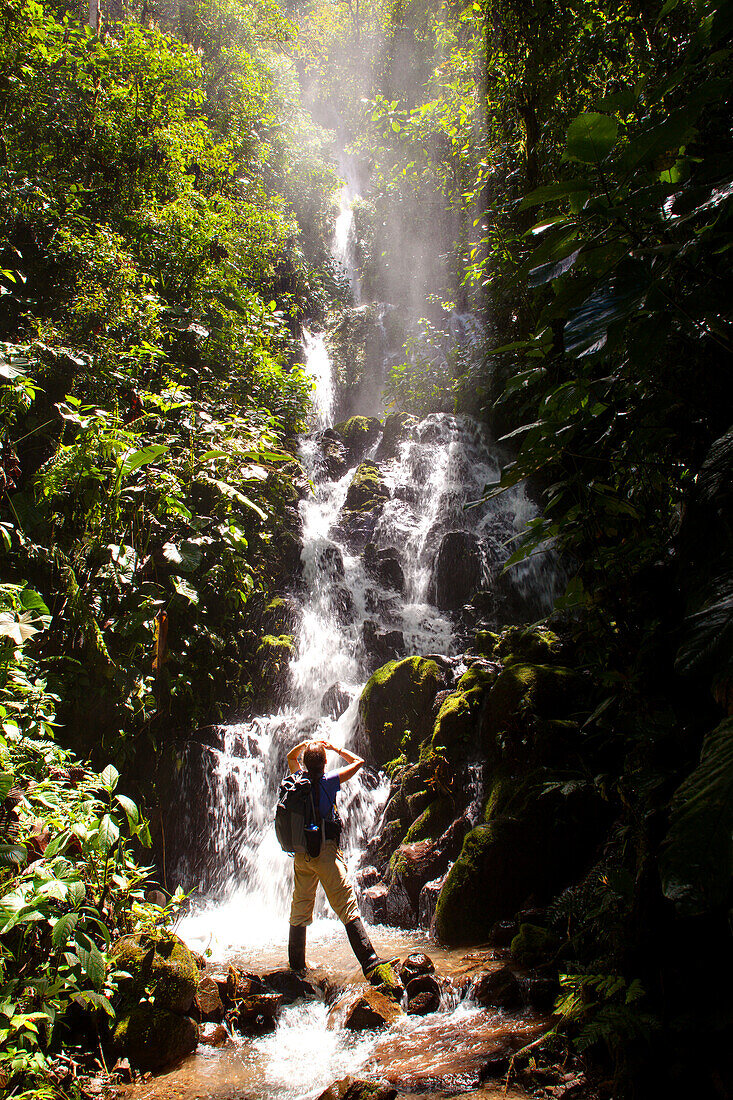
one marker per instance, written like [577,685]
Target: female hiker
[328,867]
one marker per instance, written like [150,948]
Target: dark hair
[314,758]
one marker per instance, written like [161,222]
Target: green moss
[456,725]
[432,822]
[485,642]
[160,963]
[523,689]
[397,698]
[533,945]
[359,431]
[385,979]
[367,489]
[530,644]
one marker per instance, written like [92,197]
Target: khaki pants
[329,869]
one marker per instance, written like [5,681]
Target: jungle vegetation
[165,213]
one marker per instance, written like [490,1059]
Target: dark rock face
[152,1037]
[415,965]
[497,989]
[335,701]
[428,901]
[358,434]
[331,561]
[342,603]
[257,1013]
[333,453]
[457,571]
[374,904]
[382,645]
[423,995]
[397,427]
[291,986]
[384,566]
[355,529]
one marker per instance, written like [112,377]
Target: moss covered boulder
[533,644]
[358,433]
[522,690]
[489,881]
[456,726]
[152,1037]
[397,427]
[533,945]
[398,699]
[367,490]
[160,964]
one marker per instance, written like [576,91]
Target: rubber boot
[362,947]
[296,946]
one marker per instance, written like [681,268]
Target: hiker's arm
[293,761]
[353,762]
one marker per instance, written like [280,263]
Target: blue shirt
[328,789]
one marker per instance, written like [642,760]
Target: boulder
[358,433]
[386,979]
[373,904]
[291,986]
[428,901]
[367,876]
[367,490]
[208,999]
[362,1010]
[160,964]
[457,724]
[342,603]
[533,945]
[423,995]
[547,691]
[152,1037]
[257,1013]
[330,560]
[355,529]
[333,453]
[535,645]
[397,698]
[384,566]
[382,645]
[457,570]
[335,701]
[350,1088]
[497,989]
[212,1034]
[416,965]
[397,427]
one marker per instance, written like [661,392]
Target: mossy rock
[158,963]
[432,822]
[152,1037]
[521,690]
[533,945]
[398,698]
[359,432]
[531,644]
[397,426]
[456,726]
[489,881]
[485,642]
[367,489]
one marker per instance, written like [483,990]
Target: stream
[345,621]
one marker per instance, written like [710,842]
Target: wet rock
[397,427]
[367,876]
[428,901]
[208,999]
[355,529]
[384,566]
[280,616]
[457,570]
[382,645]
[359,433]
[335,701]
[457,724]
[423,995]
[540,992]
[399,908]
[502,933]
[257,1013]
[331,561]
[291,986]
[374,904]
[386,979]
[397,698]
[415,965]
[362,1010]
[343,604]
[367,490]
[333,453]
[350,1088]
[158,963]
[152,1037]
[497,989]
[213,1035]
[535,645]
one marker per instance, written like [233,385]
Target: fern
[696,861]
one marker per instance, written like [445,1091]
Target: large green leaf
[697,859]
[586,330]
[591,137]
[708,642]
[142,457]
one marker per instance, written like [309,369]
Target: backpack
[295,810]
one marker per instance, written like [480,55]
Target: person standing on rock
[328,867]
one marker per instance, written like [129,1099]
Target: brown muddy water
[443,1054]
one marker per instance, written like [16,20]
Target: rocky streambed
[436,1024]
